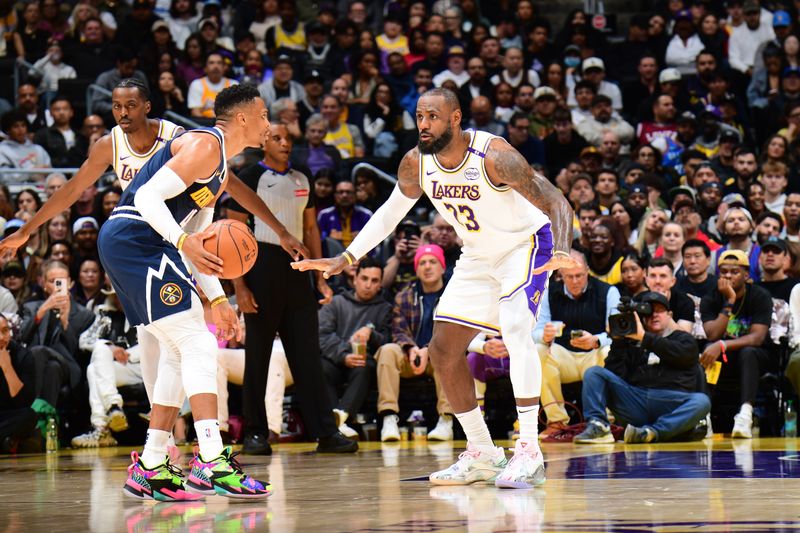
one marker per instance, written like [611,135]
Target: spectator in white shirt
[747,38]
[684,45]
[594,70]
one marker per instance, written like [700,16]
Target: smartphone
[61,285]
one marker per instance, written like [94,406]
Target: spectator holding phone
[399,271]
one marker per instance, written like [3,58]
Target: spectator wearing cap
[594,70]
[578,303]
[564,144]
[209,32]
[17,150]
[791,215]
[289,35]
[407,354]
[84,237]
[736,318]
[773,261]
[643,87]
[318,53]
[685,44]
[314,87]
[783,26]
[603,120]
[685,213]
[723,161]
[663,123]
[746,38]
[545,103]
[203,91]
[514,72]
[737,228]
[282,85]
[591,159]
[766,80]
[648,382]
[126,68]
[532,148]
[455,68]
[480,110]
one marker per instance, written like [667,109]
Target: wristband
[724,347]
[181,239]
[218,300]
[349,257]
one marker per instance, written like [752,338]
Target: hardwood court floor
[716,485]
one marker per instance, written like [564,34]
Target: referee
[276,298]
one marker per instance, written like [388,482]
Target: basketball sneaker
[390,432]
[742,425]
[473,466]
[525,470]
[117,421]
[596,432]
[443,429]
[161,483]
[97,438]
[638,435]
[224,476]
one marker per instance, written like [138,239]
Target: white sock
[171,440]
[746,409]
[208,438]
[475,429]
[528,423]
[155,447]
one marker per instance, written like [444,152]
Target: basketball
[235,244]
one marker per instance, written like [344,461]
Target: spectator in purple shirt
[344,219]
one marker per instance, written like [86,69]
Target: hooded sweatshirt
[344,316]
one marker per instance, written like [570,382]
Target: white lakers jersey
[127,163]
[490,220]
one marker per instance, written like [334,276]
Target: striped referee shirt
[287,194]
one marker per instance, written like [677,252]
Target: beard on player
[435,144]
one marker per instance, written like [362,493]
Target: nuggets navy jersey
[489,220]
[126,161]
[148,273]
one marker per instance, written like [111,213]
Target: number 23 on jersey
[464,216]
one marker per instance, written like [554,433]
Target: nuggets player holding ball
[516,228]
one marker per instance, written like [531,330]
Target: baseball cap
[456,51]
[212,3]
[12,225]
[747,214]
[590,150]
[593,62]
[84,223]
[160,24]
[734,199]
[544,91]
[734,257]
[283,58]
[728,136]
[208,20]
[429,249]
[781,19]
[683,14]
[681,203]
[572,49]
[710,185]
[775,242]
[675,191]
[687,116]
[13,267]
[652,298]
[669,75]
[791,71]
[315,27]
[637,188]
[314,75]
[751,7]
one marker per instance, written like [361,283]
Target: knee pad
[150,354]
[166,387]
[199,363]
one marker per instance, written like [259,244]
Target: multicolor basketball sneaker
[224,476]
[161,483]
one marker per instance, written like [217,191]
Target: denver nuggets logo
[535,297]
[170,294]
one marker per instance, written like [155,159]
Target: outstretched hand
[9,245]
[329,266]
[556,262]
[293,246]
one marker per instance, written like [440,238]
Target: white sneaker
[348,432]
[390,432]
[472,466]
[709,429]
[443,429]
[742,426]
[98,438]
[341,416]
[525,470]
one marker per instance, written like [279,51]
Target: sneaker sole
[439,438]
[608,439]
[467,481]
[191,486]
[740,435]
[219,491]
[508,484]
[390,439]
[118,423]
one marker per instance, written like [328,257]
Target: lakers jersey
[490,220]
[127,163]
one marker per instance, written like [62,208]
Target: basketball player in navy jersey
[516,228]
[145,248]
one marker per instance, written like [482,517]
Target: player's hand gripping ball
[235,244]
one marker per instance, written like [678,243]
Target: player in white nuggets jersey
[516,228]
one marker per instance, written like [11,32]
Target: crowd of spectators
[674,134]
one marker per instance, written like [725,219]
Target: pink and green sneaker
[224,476]
[161,483]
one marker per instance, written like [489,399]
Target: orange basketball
[235,244]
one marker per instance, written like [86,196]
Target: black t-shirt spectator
[697,289]
[560,155]
[754,308]
[681,305]
[780,289]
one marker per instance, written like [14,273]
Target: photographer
[570,334]
[648,381]
[399,270]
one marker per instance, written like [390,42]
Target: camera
[409,229]
[624,323]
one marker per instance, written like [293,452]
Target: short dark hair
[60,98]
[769,214]
[134,83]
[368,262]
[12,117]
[449,96]
[518,115]
[696,243]
[744,150]
[235,95]
[692,154]
[600,99]
[585,84]
[562,114]
[657,262]
[589,206]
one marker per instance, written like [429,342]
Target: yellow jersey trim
[152,150]
[474,135]
[485,173]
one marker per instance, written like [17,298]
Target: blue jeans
[668,412]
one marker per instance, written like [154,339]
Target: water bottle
[790,421]
[52,435]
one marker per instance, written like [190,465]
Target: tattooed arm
[505,166]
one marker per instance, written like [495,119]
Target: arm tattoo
[408,175]
[512,170]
